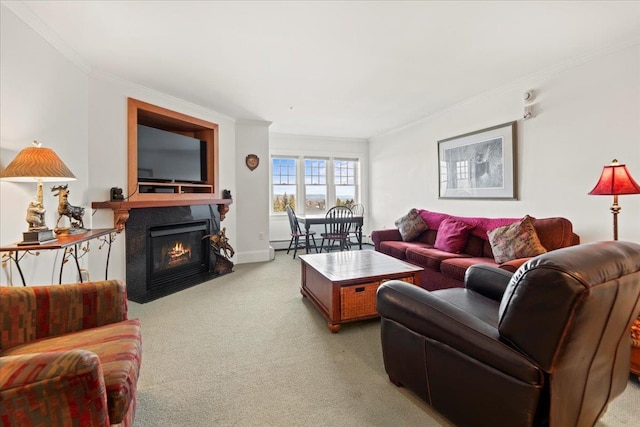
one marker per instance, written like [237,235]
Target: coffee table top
[350,265]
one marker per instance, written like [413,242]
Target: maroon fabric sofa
[446,270]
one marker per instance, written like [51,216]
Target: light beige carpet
[246,349]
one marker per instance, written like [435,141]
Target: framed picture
[479,165]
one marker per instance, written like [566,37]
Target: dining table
[309,220]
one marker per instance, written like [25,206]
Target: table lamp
[615,180]
[37,164]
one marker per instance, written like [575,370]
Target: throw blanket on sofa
[480,225]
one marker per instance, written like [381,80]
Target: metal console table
[71,244]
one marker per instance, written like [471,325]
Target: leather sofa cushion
[473,303]
[430,257]
[119,348]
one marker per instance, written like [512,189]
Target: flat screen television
[165,156]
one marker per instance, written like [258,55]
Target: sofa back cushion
[554,232]
[45,311]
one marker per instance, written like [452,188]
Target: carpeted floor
[246,349]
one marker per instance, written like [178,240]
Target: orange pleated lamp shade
[35,163]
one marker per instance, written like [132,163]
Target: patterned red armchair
[69,355]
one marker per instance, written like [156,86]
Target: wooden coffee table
[343,285]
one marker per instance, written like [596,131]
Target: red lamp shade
[615,180]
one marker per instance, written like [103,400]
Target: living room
[586,113]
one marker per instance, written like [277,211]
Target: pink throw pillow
[452,235]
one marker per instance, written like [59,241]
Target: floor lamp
[614,181]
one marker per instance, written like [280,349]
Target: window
[462,170]
[284,182]
[344,172]
[315,185]
[327,182]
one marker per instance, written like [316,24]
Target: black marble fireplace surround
[157,262]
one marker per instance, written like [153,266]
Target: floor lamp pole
[615,209]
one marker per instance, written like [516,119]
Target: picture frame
[479,165]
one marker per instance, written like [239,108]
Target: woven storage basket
[358,301]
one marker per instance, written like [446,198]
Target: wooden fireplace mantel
[121,209]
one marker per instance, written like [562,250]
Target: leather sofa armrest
[378,236]
[432,317]
[487,280]
[72,381]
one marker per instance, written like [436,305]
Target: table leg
[360,236]
[334,327]
[108,241]
[15,257]
[73,252]
[306,237]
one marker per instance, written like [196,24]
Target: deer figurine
[74,213]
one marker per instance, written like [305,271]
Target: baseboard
[253,256]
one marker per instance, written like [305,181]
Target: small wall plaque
[252,161]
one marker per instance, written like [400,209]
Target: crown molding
[24,13]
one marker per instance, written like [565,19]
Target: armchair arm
[46,311]
[514,264]
[487,280]
[72,382]
[432,317]
[378,236]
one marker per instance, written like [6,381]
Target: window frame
[300,194]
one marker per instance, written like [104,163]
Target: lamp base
[37,237]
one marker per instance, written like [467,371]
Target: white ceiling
[341,68]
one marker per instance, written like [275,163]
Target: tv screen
[170,157]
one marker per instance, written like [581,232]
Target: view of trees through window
[323,187]
[284,184]
[345,182]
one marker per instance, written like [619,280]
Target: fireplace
[176,252]
[165,249]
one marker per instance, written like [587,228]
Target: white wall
[295,145]
[83,118]
[252,188]
[43,97]
[587,114]
[108,150]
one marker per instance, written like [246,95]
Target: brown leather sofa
[546,345]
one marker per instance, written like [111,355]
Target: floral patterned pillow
[411,225]
[517,240]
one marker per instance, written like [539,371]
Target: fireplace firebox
[177,252]
[166,252]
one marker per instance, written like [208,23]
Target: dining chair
[357,210]
[336,229]
[297,233]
